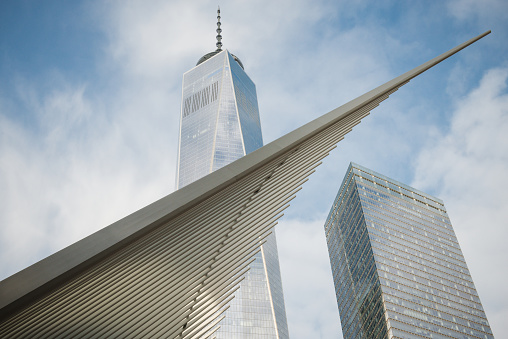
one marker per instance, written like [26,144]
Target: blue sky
[90,97]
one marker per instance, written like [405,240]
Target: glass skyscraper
[397,266]
[219,123]
[219,120]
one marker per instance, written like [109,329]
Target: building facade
[219,123]
[397,266]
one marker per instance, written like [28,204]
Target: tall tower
[219,123]
[397,266]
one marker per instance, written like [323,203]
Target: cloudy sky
[90,98]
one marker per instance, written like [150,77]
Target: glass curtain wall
[397,266]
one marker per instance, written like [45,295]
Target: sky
[90,100]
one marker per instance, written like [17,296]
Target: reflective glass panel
[397,266]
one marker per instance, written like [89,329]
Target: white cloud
[154,39]
[81,163]
[467,168]
[307,279]
[484,10]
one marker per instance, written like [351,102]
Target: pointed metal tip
[219,37]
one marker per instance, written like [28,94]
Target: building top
[401,185]
[219,45]
[411,193]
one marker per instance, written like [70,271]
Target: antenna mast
[219,37]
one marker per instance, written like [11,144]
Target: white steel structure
[170,269]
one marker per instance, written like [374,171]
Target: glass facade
[397,266]
[219,123]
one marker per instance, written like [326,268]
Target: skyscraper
[219,124]
[397,266]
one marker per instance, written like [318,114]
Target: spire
[219,37]
[218,44]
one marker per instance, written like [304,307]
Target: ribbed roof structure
[170,269]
